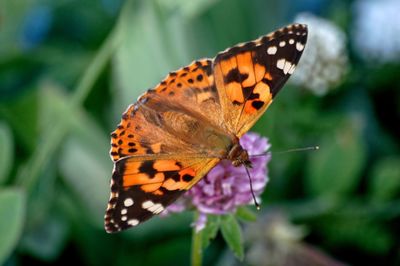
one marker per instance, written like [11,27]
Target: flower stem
[197,251]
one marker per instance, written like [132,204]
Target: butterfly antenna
[311,148]
[251,188]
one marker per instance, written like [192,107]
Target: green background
[68,69]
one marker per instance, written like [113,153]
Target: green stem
[197,251]
[50,144]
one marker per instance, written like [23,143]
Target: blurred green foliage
[68,69]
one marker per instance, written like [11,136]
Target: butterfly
[178,131]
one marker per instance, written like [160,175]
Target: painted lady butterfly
[177,132]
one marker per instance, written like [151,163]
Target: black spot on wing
[235,76]
[247,91]
[172,174]
[257,104]
[147,167]
[187,177]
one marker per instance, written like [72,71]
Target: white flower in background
[376,29]
[324,61]
[274,240]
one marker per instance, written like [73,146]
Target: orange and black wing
[143,187]
[170,134]
[170,118]
[178,131]
[248,76]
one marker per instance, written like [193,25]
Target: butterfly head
[239,156]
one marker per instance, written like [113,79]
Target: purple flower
[227,187]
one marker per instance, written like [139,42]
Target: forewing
[182,114]
[249,76]
[143,187]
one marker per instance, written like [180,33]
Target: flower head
[227,187]
[376,30]
[324,62]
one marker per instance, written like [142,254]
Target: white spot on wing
[287,66]
[155,208]
[291,41]
[291,70]
[128,202]
[299,46]
[123,218]
[133,222]
[280,63]
[147,204]
[124,211]
[282,43]
[159,210]
[272,50]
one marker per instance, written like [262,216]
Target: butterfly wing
[175,133]
[199,106]
[144,186]
[249,76]
[165,143]
[181,114]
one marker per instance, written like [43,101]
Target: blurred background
[68,69]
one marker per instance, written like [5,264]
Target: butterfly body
[178,131]
[238,155]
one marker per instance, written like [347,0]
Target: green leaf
[24,108]
[54,230]
[40,158]
[189,9]
[12,213]
[6,151]
[232,234]
[334,170]
[88,176]
[12,13]
[244,213]
[54,105]
[211,230]
[350,231]
[142,45]
[41,198]
[385,179]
